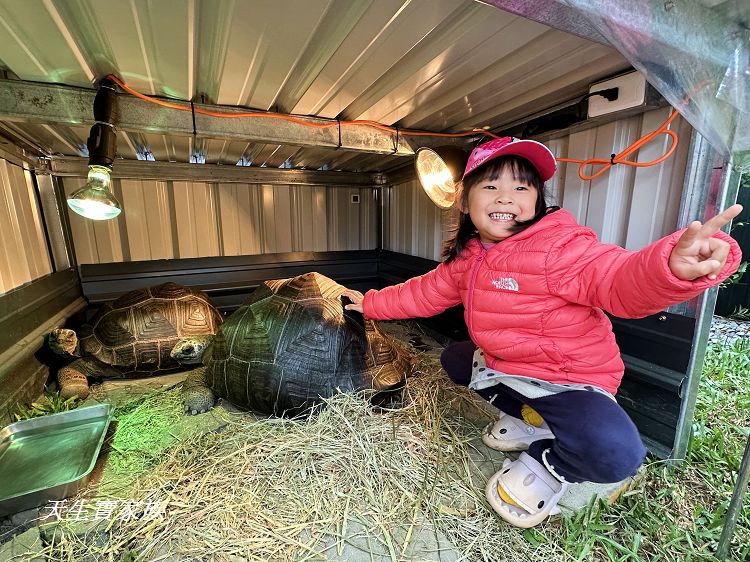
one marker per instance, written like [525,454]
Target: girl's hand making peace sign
[696,253]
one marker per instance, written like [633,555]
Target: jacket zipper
[474,272]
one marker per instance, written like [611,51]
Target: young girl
[534,283]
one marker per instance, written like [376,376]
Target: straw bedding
[352,482]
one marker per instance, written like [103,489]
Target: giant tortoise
[133,336]
[288,347]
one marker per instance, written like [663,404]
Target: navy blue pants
[595,440]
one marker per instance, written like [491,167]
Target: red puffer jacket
[534,301]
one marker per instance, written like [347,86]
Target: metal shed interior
[222,204]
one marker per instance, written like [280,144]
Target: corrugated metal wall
[23,251]
[412,224]
[179,219]
[627,206]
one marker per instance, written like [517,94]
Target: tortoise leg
[72,380]
[196,395]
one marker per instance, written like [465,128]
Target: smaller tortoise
[288,347]
[133,336]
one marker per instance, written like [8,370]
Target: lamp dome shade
[438,170]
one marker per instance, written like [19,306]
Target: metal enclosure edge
[720,182]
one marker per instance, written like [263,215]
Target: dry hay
[352,479]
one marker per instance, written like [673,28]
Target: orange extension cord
[620,158]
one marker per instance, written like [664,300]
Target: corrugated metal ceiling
[438,65]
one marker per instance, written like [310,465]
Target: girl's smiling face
[495,205]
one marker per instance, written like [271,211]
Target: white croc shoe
[511,434]
[530,486]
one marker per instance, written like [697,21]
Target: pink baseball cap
[535,152]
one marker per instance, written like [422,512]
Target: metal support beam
[161,171]
[56,222]
[18,156]
[31,102]
[710,186]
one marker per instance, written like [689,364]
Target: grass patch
[677,515]
[50,403]
[146,429]
[144,432]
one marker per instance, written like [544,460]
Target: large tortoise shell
[292,344]
[136,332]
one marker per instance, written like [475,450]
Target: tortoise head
[189,350]
[64,343]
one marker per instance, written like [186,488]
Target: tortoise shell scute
[291,345]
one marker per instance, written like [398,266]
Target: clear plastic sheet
[695,52]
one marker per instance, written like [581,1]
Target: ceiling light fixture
[94,200]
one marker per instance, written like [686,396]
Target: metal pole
[711,185]
[733,512]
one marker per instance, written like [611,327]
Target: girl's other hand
[356,297]
[696,253]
